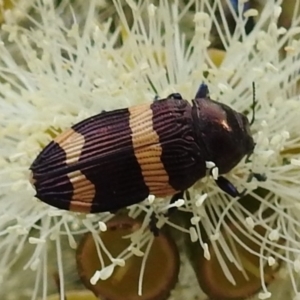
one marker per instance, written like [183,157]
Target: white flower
[63,74]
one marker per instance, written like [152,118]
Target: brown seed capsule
[75,295]
[161,269]
[211,276]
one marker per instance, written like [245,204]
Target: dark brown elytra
[117,158]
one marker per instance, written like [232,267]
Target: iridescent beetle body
[115,159]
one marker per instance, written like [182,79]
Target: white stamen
[271,261]
[102,226]
[296,266]
[285,134]
[249,222]
[201,200]
[195,220]
[274,235]
[34,265]
[55,213]
[264,123]
[200,17]
[222,87]
[264,295]
[193,234]
[151,198]
[132,5]
[281,31]
[271,67]
[297,297]
[277,11]
[152,10]
[214,237]
[94,279]
[17,229]
[215,173]
[206,251]
[34,241]
[106,272]
[144,66]
[210,164]
[136,251]
[179,203]
[295,162]
[251,13]
[72,241]
[290,49]
[118,261]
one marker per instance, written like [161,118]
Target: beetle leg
[247,158]
[260,177]
[226,186]
[203,91]
[257,176]
[187,194]
[153,219]
[175,96]
[152,225]
[156,98]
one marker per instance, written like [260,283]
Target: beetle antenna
[254,102]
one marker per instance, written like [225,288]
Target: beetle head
[223,133]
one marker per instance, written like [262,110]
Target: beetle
[118,158]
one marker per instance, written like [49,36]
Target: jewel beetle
[117,158]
